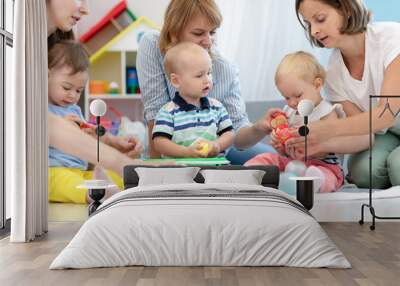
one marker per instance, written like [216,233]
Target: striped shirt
[157,90]
[184,123]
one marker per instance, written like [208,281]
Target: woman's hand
[318,132]
[264,123]
[297,152]
[277,145]
[73,119]
[293,152]
[128,145]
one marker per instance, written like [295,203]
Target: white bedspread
[204,230]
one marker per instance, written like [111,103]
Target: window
[6,43]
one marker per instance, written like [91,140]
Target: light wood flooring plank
[374,255]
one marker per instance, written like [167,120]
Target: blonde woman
[365,61]
[195,21]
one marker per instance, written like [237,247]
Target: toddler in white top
[299,76]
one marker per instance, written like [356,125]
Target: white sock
[313,171]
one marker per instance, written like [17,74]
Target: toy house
[116,20]
[113,74]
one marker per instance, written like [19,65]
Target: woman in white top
[365,61]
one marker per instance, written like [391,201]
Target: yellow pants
[63,184]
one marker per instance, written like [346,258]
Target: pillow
[166,176]
[248,177]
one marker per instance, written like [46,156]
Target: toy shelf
[115,62]
[111,66]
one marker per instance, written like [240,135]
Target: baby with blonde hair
[299,76]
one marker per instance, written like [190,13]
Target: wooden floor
[374,255]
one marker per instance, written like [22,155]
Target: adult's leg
[393,163]
[238,157]
[70,139]
[358,164]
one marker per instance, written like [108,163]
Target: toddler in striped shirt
[191,125]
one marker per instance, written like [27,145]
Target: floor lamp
[305,185]
[97,188]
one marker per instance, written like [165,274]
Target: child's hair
[356,17]
[178,14]
[58,36]
[68,53]
[176,56]
[301,64]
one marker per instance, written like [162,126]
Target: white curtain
[255,35]
[26,131]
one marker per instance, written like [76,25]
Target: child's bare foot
[100,174]
[313,171]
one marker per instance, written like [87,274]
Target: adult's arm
[250,135]
[153,153]
[346,144]
[70,139]
[153,83]
[228,78]
[340,144]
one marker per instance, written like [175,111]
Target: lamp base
[97,190]
[96,195]
[305,191]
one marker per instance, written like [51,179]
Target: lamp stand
[305,185]
[96,194]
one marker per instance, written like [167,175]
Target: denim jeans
[239,157]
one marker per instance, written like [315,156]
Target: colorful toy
[204,148]
[117,19]
[98,86]
[84,125]
[113,88]
[280,125]
[132,82]
[279,119]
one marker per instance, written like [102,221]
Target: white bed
[259,227]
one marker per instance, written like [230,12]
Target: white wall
[152,9]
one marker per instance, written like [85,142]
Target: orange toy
[280,125]
[279,119]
